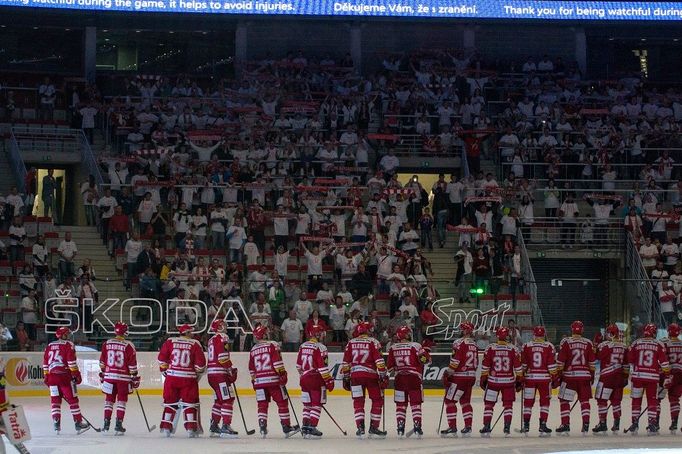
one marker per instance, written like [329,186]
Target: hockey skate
[227,432]
[311,433]
[290,431]
[673,426]
[633,429]
[165,432]
[544,430]
[360,433]
[417,430]
[564,430]
[57,426]
[401,429]
[485,431]
[652,429]
[466,432]
[193,433]
[600,429]
[507,430]
[106,425]
[81,427]
[375,432]
[263,426]
[616,427]
[585,429]
[450,432]
[118,428]
[214,429]
[525,428]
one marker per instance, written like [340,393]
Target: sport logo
[450,318]
[20,372]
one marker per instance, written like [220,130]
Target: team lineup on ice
[467,409]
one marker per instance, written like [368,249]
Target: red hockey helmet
[467,328]
[260,332]
[121,329]
[62,331]
[404,332]
[363,328]
[539,331]
[316,331]
[673,330]
[612,331]
[218,325]
[185,329]
[649,330]
[502,333]
[577,327]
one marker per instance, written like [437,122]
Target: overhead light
[138,31]
[611,39]
[643,39]
[35,28]
[676,39]
[105,30]
[171,32]
[106,39]
[67,29]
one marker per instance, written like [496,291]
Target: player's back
[218,354]
[363,356]
[264,361]
[403,357]
[576,356]
[502,363]
[538,359]
[611,357]
[673,348]
[647,359]
[182,356]
[464,359]
[312,358]
[60,357]
[118,360]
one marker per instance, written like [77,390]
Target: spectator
[49,186]
[337,319]
[133,248]
[17,237]
[292,333]
[39,254]
[649,254]
[303,307]
[29,313]
[67,251]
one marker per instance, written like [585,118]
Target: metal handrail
[17,163]
[88,158]
[531,286]
[645,289]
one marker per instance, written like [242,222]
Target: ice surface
[138,441]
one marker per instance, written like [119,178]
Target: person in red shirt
[312,365]
[576,366]
[459,379]
[407,360]
[61,376]
[612,378]
[118,373]
[540,371]
[269,379]
[181,361]
[649,366]
[221,375]
[119,226]
[673,348]
[364,371]
[501,373]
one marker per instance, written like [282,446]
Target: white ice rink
[138,441]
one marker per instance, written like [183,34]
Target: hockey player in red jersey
[364,371]
[61,376]
[648,363]
[673,347]
[312,365]
[540,371]
[221,375]
[181,361]
[269,379]
[612,378]
[459,379]
[407,360]
[576,365]
[501,373]
[118,374]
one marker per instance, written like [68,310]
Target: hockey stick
[239,402]
[497,420]
[139,399]
[440,420]
[383,408]
[334,421]
[638,418]
[98,430]
[293,411]
[21,448]
[523,408]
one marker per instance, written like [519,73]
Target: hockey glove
[101,377]
[484,382]
[329,384]
[136,381]
[232,375]
[76,377]
[283,378]
[346,383]
[383,381]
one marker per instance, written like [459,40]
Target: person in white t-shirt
[145,211]
[133,248]
[292,332]
[314,259]
[88,113]
[568,211]
[67,251]
[236,236]
[251,251]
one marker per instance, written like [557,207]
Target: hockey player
[576,365]
[501,373]
[62,376]
[364,370]
[269,379]
[459,379]
[612,378]
[181,361]
[673,347]
[118,374]
[221,375]
[649,365]
[540,372]
[312,364]
[407,360]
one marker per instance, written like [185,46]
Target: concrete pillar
[469,37]
[581,49]
[90,54]
[241,49]
[356,46]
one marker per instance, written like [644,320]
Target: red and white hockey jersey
[464,358]
[501,364]
[60,358]
[313,359]
[407,358]
[673,348]
[538,360]
[265,364]
[219,362]
[576,358]
[362,358]
[182,357]
[118,360]
[611,357]
[648,360]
